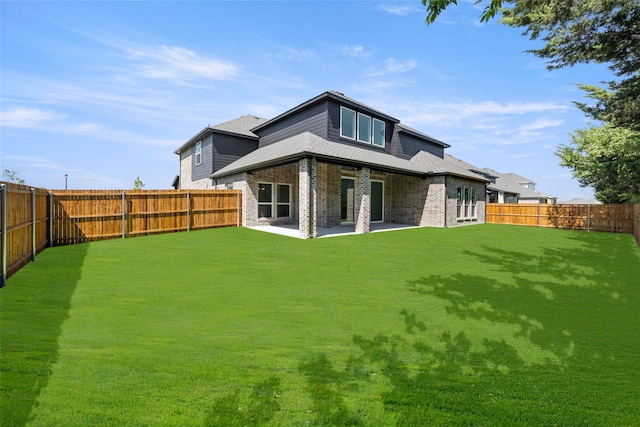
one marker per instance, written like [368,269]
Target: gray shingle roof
[308,144]
[241,125]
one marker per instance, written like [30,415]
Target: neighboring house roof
[308,144]
[241,126]
[475,169]
[513,183]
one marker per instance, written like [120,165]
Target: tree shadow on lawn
[34,305]
[258,409]
[541,338]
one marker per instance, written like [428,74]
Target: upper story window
[361,127]
[198,153]
[378,132]
[364,128]
[347,123]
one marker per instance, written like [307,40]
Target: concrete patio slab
[292,230]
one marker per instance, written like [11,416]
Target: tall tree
[585,31]
[606,158]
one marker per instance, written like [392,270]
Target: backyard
[480,325]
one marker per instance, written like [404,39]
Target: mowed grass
[481,325]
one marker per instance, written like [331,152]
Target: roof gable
[328,95]
[239,127]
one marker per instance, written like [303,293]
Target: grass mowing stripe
[486,324]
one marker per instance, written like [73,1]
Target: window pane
[378,132]
[347,123]
[283,211]
[264,193]
[364,128]
[198,153]
[459,201]
[264,211]
[466,202]
[283,193]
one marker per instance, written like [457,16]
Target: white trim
[277,200]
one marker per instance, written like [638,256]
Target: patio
[292,230]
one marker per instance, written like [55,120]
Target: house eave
[209,131]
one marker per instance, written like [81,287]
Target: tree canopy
[587,31]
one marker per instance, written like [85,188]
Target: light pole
[65,180]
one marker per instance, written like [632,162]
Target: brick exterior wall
[329,188]
[407,200]
[363,200]
[307,196]
[452,184]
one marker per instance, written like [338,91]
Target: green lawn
[481,325]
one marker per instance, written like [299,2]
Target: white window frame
[366,138]
[198,153]
[466,203]
[355,123]
[269,203]
[279,203]
[373,132]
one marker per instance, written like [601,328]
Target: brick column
[363,200]
[307,198]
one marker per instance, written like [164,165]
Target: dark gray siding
[406,146]
[228,149]
[204,169]
[312,119]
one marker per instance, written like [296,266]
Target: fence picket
[35,218]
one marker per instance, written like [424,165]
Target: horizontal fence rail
[34,218]
[609,218]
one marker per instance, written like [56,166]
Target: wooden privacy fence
[610,218]
[34,218]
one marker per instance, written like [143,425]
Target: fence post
[33,224]
[500,212]
[589,217]
[3,197]
[188,211]
[238,210]
[50,219]
[538,215]
[123,216]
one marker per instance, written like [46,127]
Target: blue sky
[106,91]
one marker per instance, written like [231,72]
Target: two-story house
[331,161]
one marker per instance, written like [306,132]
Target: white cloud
[295,54]
[392,66]
[398,10]
[356,51]
[22,117]
[179,63]
[395,66]
[542,123]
